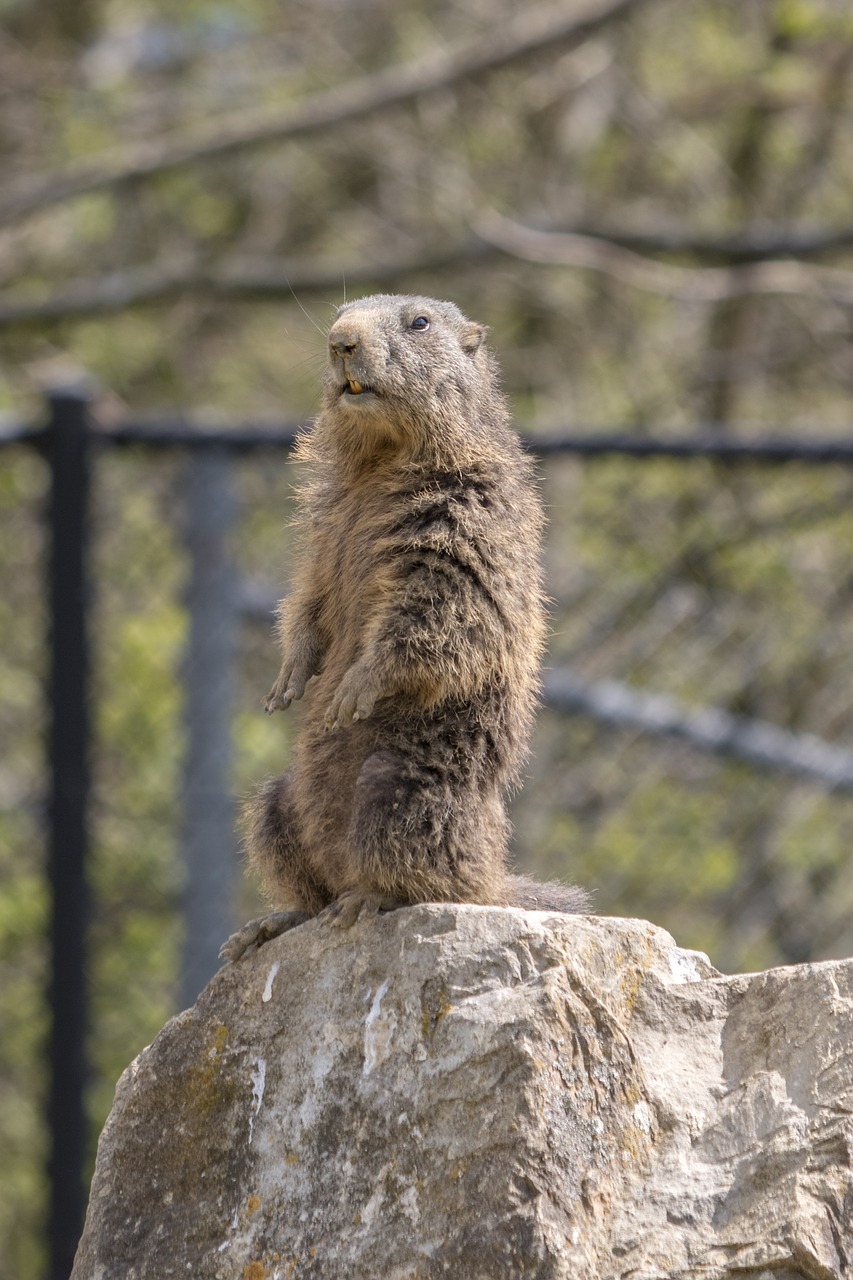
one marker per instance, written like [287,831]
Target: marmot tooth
[355,387]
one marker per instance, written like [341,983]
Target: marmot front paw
[289,687]
[354,699]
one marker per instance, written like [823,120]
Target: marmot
[413,632]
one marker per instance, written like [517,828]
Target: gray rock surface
[478,1092]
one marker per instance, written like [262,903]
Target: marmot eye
[420,323]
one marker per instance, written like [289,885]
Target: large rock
[477,1092]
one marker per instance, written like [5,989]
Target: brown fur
[413,630]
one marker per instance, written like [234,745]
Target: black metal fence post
[67,441]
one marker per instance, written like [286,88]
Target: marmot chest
[360,566]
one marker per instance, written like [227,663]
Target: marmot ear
[473,336]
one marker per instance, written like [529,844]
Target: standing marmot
[413,632]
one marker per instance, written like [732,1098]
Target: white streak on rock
[267,996]
[377,1031]
[259,1080]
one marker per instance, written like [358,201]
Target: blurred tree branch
[707,729]
[748,245]
[272,278]
[530,34]
[688,284]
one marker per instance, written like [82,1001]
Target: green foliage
[23,891]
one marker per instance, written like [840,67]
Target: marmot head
[409,375]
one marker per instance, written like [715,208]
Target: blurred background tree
[649,203]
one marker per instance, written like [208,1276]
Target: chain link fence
[693,762]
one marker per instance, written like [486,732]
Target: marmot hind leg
[257,932]
[412,838]
[275,851]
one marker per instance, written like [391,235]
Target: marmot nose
[343,342]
